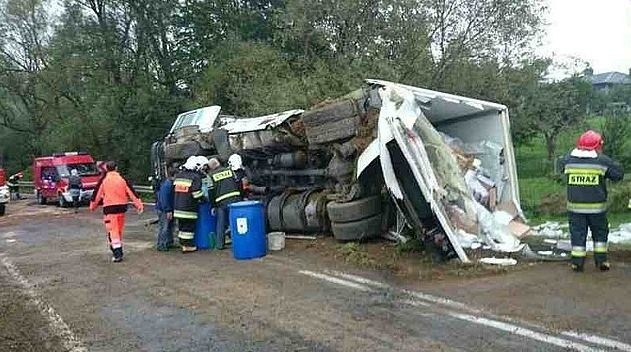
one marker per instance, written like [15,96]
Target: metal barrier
[137,188]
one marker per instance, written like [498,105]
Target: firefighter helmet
[235,162]
[191,163]
[590,140]
[201,161]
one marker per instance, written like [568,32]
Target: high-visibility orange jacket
[115,192]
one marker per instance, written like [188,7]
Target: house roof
[610,78]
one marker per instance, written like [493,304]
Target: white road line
[513,329]
[56,323]
[505,326]
[424,296]
[336,280]
[598,340]
[603,341]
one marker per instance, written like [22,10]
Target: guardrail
[138,188]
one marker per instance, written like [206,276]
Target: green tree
[553,107]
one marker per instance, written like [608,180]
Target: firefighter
[226,190]
[188,192]
[586,170]
[114,192]
[14,186]
[241,177]
[164,207]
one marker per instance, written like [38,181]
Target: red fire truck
[50,177]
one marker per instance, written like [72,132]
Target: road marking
[422,300]
[56,323]
[603,341]
[599,340]
[336,280]
[514,329]
[424,296]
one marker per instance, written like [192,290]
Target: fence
[138,188]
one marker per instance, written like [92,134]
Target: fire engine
[51,173]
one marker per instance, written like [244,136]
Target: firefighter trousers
[114,225]
[579,225]
[186,231]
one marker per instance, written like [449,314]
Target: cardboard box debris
[518,229]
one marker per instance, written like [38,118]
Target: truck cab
[51,173]
[4,192]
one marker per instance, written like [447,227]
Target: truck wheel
[353,211]
[357,230]
[2,209]
[41,200]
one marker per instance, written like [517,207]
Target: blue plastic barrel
[247,228]
[205,228]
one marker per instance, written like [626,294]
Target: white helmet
[235,161]
[201,162]
[191,163]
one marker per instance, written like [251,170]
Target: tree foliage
[553,107]
[109,76]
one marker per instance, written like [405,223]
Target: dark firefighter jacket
[585,175]
[187,188]
[226,189]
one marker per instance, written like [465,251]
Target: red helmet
[589,140]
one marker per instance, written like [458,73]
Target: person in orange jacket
[114,192]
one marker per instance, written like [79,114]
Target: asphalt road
[60,292]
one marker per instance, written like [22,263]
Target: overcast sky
[597,31]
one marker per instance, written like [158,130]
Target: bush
[619,196]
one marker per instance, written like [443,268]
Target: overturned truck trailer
[382,158]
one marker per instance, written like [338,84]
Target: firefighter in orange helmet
[114,191]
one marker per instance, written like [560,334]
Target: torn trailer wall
[409,144]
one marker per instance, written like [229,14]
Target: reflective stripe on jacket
[187,188]
[226,188]
[585,175]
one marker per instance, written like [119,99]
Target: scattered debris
[499,261]
[551,229]
[621,235]
[298,237]
[550,255]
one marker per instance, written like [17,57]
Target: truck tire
[41,200]
[357,230]
[2,209]
[353,211]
